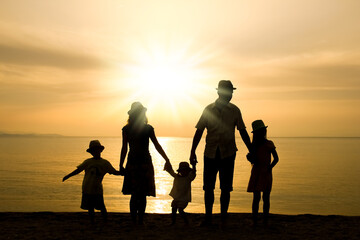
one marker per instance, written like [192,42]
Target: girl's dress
[261,176]
[139,171]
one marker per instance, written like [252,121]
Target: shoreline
[75,225]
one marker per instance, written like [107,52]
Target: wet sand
[75,225]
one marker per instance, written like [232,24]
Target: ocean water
[314,175]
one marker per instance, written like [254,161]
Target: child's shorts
[179,204]
[91,201]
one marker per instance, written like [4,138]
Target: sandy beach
[75,225]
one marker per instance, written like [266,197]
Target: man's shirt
[220,122]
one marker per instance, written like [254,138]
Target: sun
[164,81]
[167,78]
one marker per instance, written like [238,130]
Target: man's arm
[195,143]
[246,139]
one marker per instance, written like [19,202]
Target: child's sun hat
[95,145]
[258,124]
[184,166]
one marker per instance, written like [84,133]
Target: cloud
[35,56]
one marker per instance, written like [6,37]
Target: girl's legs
[91,215]
[183,214]
[173,215]
[255,206]
[266,206]
[104,214]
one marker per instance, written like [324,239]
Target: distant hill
[28,135]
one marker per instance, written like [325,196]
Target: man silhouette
[220,119]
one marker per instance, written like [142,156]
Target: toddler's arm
[169,169]
[73,173]
[192,173]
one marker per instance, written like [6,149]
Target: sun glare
[163,81]
[167,81]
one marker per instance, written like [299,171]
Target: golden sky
[75,67]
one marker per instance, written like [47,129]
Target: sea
[313,176]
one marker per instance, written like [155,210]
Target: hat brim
[227,88]
[259,129]
[101,148]
[131,111]
[184,169]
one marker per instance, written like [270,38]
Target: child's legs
[266,206]
[173,214]
[255,205]
[183,215]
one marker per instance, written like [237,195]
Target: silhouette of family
[220,119]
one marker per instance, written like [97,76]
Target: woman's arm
[124,150]
[158,147]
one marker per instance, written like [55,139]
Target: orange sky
[75,69]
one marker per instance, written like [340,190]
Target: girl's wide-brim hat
[184,166]
[95,145]
[258,124]
[136,107]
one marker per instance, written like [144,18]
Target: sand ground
[75,225]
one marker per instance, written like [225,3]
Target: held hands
[167,166]
[122,171]
[251,158]
[193,159]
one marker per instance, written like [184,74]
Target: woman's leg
[133,208]
[255,206]
[266,206]
[141,208]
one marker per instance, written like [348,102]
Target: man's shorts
[92,201]
[224,166]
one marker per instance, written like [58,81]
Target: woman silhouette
[139,181]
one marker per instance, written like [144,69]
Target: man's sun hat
[258,124]
[184,166]
[94,145]
[136,107]
[225,85]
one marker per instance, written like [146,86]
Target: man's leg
[226,175]
[210,172]
[224,202]
[209,202]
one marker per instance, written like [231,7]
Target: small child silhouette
[92,189]
[181,190]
